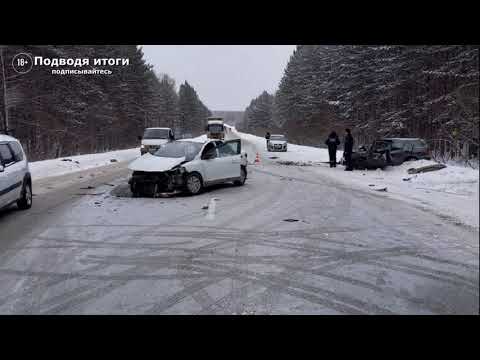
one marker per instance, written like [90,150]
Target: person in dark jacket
[348,149]
[267,138]
[332,142]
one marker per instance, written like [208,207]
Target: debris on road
[381,189]
[427,168]
[294,163]
[291,220]
[66,160]
[89,187]
[113,160]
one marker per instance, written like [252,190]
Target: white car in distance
[277,143]
[190,166]
[15,178]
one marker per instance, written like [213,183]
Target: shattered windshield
[179,149]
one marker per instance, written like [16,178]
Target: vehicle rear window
[6,155]
[17,151]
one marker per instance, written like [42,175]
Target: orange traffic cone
[257,159]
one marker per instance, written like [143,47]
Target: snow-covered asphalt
[290,241]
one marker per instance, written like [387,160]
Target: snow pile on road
[451,192]
[71,164]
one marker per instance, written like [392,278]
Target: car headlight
[181,170]
[142,147]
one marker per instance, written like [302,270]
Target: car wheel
[25,202]
[194,183]
[243,177]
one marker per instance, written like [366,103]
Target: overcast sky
[226,77]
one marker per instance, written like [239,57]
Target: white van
[15,178]
[154,138]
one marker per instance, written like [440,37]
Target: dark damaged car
[188,166]
[390,152]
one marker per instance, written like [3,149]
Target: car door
[3,183]
[397,152]
[211,163]
[18,168]
[229,153]
[8,178]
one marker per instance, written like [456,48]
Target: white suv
[15,178]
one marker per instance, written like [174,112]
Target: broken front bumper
[153,183]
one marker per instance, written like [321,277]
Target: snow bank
[56,167]
[451,192]
[296,153]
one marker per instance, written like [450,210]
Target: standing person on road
[267,138]
[332,142]
[348,149]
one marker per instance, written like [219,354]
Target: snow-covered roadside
[452,192]
[55,167]
[71,164]
[296,153]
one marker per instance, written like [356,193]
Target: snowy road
[350,252]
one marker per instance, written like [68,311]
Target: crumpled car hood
[151,163]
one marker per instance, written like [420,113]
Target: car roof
[7,138]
